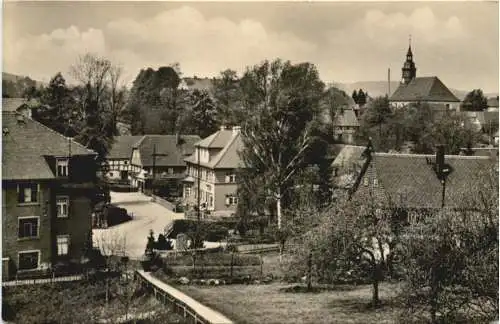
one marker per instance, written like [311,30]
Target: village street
[147,216]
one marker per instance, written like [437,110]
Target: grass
[246,304]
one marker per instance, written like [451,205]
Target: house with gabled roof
[19,105]
[160,158]
[118,158]
[48,196]
[430,90]
[419,182]
[345,125]
[213,166]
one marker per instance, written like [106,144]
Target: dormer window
[62,167]
[230,178]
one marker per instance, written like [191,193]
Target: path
[147,216]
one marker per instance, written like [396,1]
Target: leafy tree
[475,101]
[57,107]
[355,96]
[349,240]
[361,97]
[284,98]
[226,92]
[455,132]
[200,117]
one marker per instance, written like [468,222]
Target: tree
[97,130]
[450,258]
[284,99]
[374,122]
[200,117]
[355,96]
[226,93]
[361,97]
[455,132]
[349,239]
[475,101]
[57,107]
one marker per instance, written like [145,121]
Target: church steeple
[409,69]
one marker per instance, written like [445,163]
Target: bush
[163,243]
[115,215]
[213,259]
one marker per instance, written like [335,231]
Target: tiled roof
[122,146]
[170,153]
[410,180]
[11,104]
[218,139]
[25,143]
[229,143]
[346,118]
[348,155]
[424,89]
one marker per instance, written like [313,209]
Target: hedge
[213,259]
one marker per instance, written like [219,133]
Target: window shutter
[20,194]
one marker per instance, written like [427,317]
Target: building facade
[160,157]
[48,193]
[345,126]
[430,90]
[118,159]
[212,170]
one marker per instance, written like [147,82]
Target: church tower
[409,69]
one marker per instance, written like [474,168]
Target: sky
[347,41]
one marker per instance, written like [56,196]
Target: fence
[41,281]
[165,203]
[193,311]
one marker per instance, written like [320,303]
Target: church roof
[424,89]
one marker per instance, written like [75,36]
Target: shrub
[163,243]
[115,215]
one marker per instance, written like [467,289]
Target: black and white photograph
[226,162]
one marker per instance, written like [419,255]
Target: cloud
[46,54]
[443,45]
[202,46]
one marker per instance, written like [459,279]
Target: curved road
[133,234]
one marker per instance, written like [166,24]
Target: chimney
[440,160]
[236,129]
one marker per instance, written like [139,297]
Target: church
[430,90]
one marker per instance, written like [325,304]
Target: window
[27,193]
[210,201]
[62,204]
[29,260]
[230,178]
[62,244]
[62,167]
[170,171]
[375,182]
[28,227]
[125,162]
[231,200]
[188,191]
[111,174]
